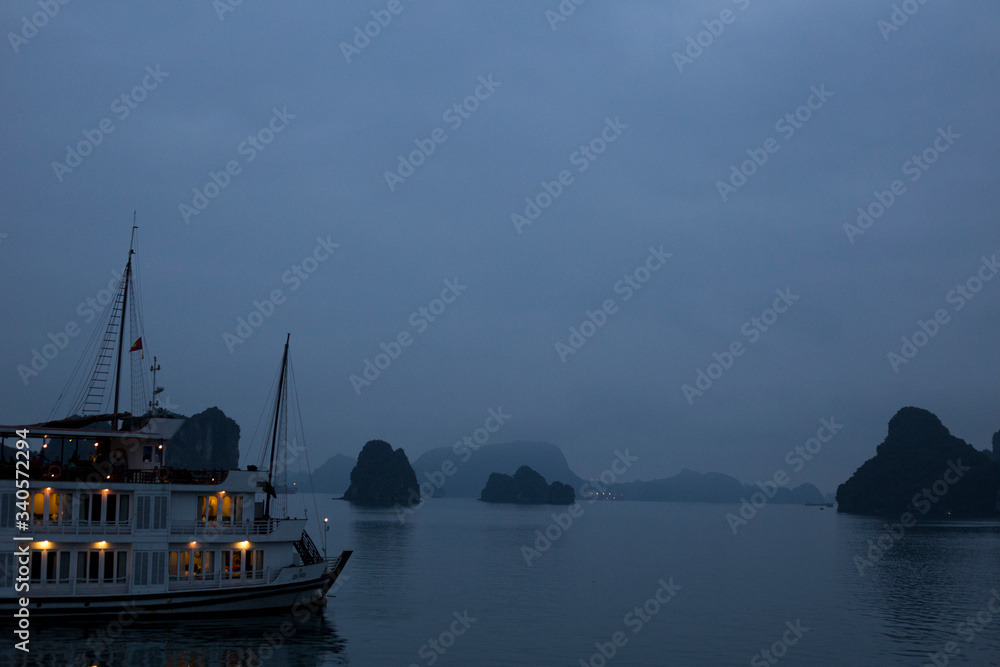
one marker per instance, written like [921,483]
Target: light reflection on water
[296,640]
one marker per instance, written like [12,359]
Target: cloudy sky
[278,147]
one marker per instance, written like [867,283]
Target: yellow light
[102,544]
[105,490]
[95,444]
[243,545]
[222,493]
[160,447]
[193,544]
[44,544]
[48,488]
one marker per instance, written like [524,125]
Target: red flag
[137,345]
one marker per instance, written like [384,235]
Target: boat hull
[282,595]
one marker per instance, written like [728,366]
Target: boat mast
[274,433]
[121,325]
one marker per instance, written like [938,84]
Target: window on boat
[208,508]
[7,569]
[88,566]
[90,509]
[204,564]
[151,513]
[258,563]
[54,502]
[57,566]
[36,566]
[148,567]
[6,511]
[147,453]
[50,566]
[38,506]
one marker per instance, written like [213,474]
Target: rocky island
[526,487]
[922,469]
[205,441]
[382,477]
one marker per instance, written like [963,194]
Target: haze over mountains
[471,470]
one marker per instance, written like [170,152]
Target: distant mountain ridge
[463,473]
[710,487]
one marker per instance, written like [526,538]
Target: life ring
[163,474]
[53,471]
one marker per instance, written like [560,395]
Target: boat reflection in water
[297,639]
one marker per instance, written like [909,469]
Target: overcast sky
[641,108]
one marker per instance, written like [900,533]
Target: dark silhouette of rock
[207,440]
[921,468]
[526,487]
[500,488]
[382,477]
[561,494]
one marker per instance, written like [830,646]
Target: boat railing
[99,473]
[209,528]
[84,527]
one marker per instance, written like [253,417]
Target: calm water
[407,581]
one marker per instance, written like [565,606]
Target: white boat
[119,531]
